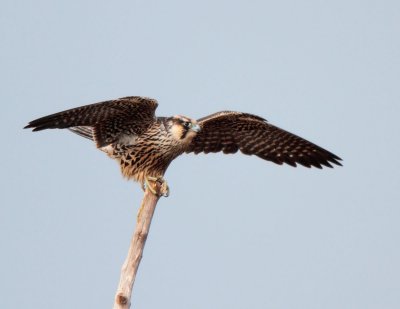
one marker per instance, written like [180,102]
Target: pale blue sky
[236,232]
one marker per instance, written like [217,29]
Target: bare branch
[131,264]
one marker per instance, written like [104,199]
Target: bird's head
[184,129]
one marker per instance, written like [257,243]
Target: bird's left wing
[104,121]
[252,135]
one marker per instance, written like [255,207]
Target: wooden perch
[131,264]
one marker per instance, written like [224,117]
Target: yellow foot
[164,189]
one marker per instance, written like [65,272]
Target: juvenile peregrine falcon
[144,145]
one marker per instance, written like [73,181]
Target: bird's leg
[164,189]
[146,184]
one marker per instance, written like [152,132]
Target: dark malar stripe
[184,133]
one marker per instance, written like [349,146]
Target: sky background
[236,232]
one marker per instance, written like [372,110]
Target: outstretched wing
[105,121]
[252,135]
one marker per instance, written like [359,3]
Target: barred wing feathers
[106,120]
[252,135]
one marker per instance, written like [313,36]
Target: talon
[164,189]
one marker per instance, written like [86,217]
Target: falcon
[144,145]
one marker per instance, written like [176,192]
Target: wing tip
[34,127]
[317,160]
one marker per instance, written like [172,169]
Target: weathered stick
[131,264]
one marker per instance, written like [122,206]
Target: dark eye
[186,124]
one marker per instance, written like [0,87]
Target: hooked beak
[195,128]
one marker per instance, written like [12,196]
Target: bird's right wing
[252,135]
[106,120]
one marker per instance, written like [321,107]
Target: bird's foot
[150,182]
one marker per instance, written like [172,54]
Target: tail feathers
[84,131]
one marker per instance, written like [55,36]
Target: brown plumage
[144,145]
[252,135]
